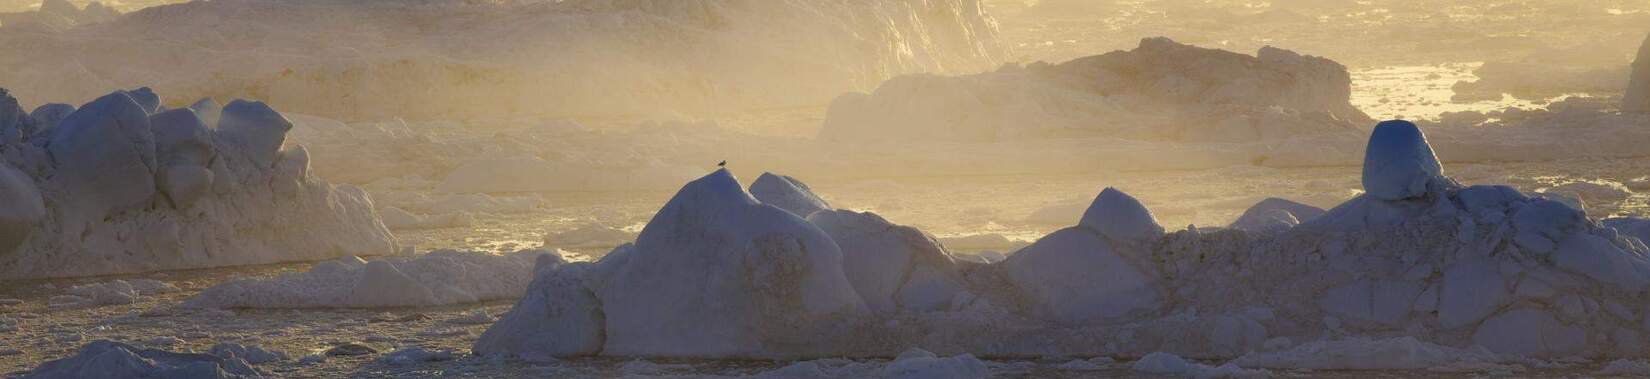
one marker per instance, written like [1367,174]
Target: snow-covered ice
[787,193]
[128,191]
[1275,215]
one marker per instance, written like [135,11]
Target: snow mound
[130,191]
[559,316]
[1160,91]
[1637,99]
[438,278]
[1160,363]
[921,364]
[894,268]
[753,279]
[787,193]
[1399,164]
[1275,215]
[1120,217]
[1076,275]
[746,274]
[106,359]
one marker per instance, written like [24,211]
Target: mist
[839,188]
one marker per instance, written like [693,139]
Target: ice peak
[787,193]
[1399,164]
[1120,217]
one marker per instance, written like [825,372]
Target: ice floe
[437,278]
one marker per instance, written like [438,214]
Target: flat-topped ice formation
[1161,90]
[122,185]
[1458,275]
[438,278]
[1637,99]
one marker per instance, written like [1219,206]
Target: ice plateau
[110,187]
[1160,91]
[1436,273]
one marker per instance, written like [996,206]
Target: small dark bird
[722,164]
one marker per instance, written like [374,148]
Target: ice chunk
[1274,215]
[1076,276]
[1121,218]
[106,359]
[382,285]
[558,317]
[105,153]
[1529,332]
[183,147]
[919,364]
[1637,99]
[787,193]
[146,98]
[21,208]
[892,267]
[208,110]
[438,278]
[258,129]
[746,275]
[1398,163]
[1400,353]
[1631,226]
[47,117]
[1160,363]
